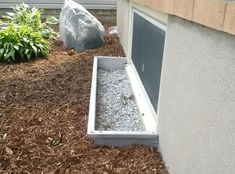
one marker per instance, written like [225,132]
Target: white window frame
[150,117]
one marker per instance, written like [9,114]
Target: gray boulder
[78,28]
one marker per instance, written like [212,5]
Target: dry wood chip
[9,151]
[46,97]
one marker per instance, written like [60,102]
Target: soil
[43,118]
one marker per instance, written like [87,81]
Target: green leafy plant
[21,42]
[22,36]
[23,15]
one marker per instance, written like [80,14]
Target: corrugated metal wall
[56,4]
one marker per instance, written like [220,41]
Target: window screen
[147,53]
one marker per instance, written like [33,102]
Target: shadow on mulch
[43,118]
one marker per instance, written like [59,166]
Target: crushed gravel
[116,106]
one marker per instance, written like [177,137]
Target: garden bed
[46,100]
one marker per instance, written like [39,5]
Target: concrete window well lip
[136,130]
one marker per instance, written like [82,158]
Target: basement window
[147,53]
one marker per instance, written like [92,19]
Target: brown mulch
[43,118]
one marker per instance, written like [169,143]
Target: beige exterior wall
[197,100]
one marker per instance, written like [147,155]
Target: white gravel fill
[116,107]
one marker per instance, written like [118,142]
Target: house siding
[57,4]
[216,14]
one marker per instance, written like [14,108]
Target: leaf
[16,47]
[27,53]
[52,20]
[10,14]
[25,39]
[20,44]
[9,151]
[21,53]
[56,141]
[1,51]
[34,49]
[12,54]
[7,55]
[6,45]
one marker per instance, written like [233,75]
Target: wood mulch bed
[43,118]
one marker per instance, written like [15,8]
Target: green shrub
[21,42]
[23,15]
[23,36]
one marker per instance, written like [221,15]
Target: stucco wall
[197,100]
[123,22]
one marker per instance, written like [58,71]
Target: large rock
[78,28]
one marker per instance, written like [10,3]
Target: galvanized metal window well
[144,72]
